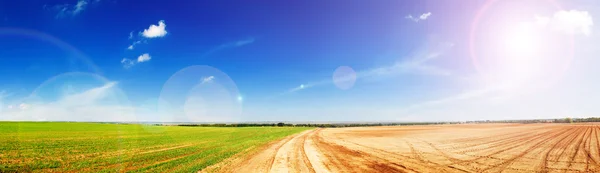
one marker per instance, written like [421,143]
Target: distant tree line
[336,125]
[560,120]
[591,119]
[332,125]
[512,121]
[565,120]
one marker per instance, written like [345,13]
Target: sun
[509,45]
[520,53]
[521,40]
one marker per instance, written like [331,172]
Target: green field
[95,147]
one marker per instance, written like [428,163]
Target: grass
[96,147]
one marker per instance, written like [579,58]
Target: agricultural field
[430,148]
[95,147]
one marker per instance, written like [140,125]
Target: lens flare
[200,94]
[344,77]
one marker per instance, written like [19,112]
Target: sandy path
[291,157]
[287,155]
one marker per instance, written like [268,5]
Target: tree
[568,120]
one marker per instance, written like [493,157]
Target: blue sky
[114,60]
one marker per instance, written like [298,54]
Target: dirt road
[443,148]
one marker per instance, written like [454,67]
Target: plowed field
[443,148]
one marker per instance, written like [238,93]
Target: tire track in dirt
[544,136]
[387,156]
[503,164]
[501,145]
[287,155]
[563,146]
[291,156]
[587,148]
[343,159]
[590,151]
[497,139]
[597,141]
[578,147]
[544,165]
[423,165]
[414,152]
[547,140]
[510,143]
[517,142]
[466,162]
[420,159]
[259,161]
[313,153]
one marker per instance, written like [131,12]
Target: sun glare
[510,45]
[521,53]
[521,40]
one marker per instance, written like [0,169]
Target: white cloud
[127,63]
[80,6]
[144,57]
[208,79]
[244,42]
[571,22]
[423,16]
[417,64]
[155,30]
[132,46]
[238,43]
[470,94]
[88,96]
[96,104]
[64,10]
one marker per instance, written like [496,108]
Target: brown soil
[440,148]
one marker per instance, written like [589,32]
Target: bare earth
[441,148]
